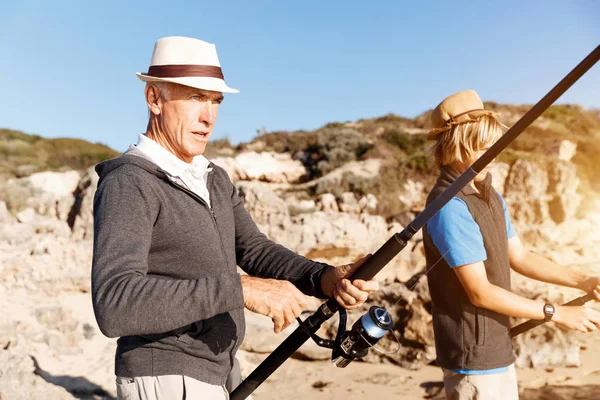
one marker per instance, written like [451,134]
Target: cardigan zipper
[211,175]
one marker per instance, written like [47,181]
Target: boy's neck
[459,168]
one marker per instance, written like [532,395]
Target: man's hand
[277,299]
[349,295]
[580,318]
[591,285]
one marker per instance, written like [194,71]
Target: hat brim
[198,82]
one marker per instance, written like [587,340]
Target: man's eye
[200,97]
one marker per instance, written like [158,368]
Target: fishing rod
[373,325]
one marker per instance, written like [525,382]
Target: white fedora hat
[186,61]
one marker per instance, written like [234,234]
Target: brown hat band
[180,71]
[470,118]
[461,114]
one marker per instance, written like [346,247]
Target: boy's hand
[579,318]
[591,285]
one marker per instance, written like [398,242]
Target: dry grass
[23,154]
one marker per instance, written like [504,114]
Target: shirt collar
[169,161]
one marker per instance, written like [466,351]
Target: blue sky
[68,67]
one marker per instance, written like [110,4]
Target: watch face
[549,310]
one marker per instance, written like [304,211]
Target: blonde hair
[463,141]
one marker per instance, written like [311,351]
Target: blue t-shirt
[458,238]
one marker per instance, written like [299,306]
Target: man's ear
[153,99]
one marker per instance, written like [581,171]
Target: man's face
[187,119]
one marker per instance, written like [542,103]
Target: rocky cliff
[329,205]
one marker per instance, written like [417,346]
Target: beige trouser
[168,387]
[501,386]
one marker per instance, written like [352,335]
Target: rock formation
[50,344]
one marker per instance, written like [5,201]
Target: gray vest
[469,337]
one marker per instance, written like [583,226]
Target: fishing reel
[355,343]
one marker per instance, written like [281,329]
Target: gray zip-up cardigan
[164,275]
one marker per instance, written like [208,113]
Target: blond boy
[471,246]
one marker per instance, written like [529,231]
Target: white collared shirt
[194,175]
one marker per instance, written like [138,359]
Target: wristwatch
[548,312]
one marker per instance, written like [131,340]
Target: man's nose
[208,112]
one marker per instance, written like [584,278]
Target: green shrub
[390,119]
[9,134]
[219,147]
[20,149]
[419,161]
[349,182]
[333,125]
[405,141]
[75,153]
[283,141]
[562,113]
[338,147]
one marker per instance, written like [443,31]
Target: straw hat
[186,61]
[456,109]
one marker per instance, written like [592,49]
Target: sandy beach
[316,380]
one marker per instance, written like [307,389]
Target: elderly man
[169,231]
